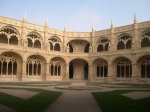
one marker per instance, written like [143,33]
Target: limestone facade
[30,52]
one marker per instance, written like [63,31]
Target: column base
[134,79]
[110,79]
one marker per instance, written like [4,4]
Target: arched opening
[57,68]
[3,38]
[145,42]
[100,48]
[37,44]
[78,46]
[120,45]
[124,42]
[86,50]
[70,48]
[13,40]
[8,65]
[54,44]
[101,68]
[57,47]
[146,39]
[30,44]
[9,33]
[86,72]
[78,69]
[123,68]
[34,40]
[36,67]
[71,71]
[144,66]
[102,45]
[51,46]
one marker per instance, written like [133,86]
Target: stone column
[24,76]
[135,74]
[91,75]
[111,73]
[47,72]
[67,71]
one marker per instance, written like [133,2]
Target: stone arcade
[30,52]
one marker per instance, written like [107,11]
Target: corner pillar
[91,75]
[135,76]
[110,77]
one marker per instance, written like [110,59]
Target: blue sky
[78,15]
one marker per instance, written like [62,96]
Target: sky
[77,15]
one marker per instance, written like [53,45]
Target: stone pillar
[47,77]
[135,73]
[24,76]
[111,75]
[91,75]
[67,71]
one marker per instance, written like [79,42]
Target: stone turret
[24,18]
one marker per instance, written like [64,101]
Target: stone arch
[79,45]
[143,64]
[123,67]
[102,44]
[124,41]
[34,40]
[145,38]
[57,68]
[10,65]
[78,69]
[100,67]
[35,65]
[55,43]
[9,35]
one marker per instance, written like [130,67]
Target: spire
[24,18]
[112,23]
[65,28]
[46,22]
[93,29]
[135,19]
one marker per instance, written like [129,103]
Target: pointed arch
[145,38]
[55,43]
[124,41]
[34,40]
[9,35]
[102,44]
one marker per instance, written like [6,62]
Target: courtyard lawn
[115,102]
[37,103]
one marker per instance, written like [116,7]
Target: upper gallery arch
[9,35]
[55,43]
[124,41]
[102,44]
[34,40]
[145,38]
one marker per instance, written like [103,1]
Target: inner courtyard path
[75,101]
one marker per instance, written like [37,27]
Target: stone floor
[24,94]
[137,95]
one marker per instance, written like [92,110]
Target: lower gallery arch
[100,69]
[144,68]
[123,69]
[57,68]
[10,66]
[35,68]
[78,69]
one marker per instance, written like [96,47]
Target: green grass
[37,103]
[114,102]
